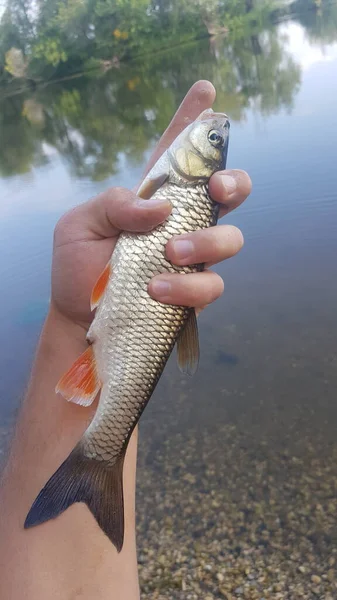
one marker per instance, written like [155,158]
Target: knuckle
[117,197]
[63,223]
[119,191]
[184,290]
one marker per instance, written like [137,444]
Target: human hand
[86,236]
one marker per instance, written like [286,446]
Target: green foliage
[20,146]
[50,51]
[69,103]
[64,33]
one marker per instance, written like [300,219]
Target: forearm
[68,557]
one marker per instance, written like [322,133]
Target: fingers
[205,246]
[193,289]
[113,211]
[200,97]
[120,209]
[230,188]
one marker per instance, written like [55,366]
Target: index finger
[199,97]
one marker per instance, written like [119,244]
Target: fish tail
[80,479]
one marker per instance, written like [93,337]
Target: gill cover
[192,155]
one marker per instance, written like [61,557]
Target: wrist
[57,325]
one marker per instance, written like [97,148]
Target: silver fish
[132,335]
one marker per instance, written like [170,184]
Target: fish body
[133,335]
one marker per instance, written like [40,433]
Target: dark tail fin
[80,479]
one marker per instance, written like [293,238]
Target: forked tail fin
[80,479]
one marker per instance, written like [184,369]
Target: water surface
[237,470]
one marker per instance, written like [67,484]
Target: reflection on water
[238,478]
[96,122]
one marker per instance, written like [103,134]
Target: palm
[76,266]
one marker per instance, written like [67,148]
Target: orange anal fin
[81,383]
[99,287]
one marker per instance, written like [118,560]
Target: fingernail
[153,203]
[161,287]
[229,183]
[183,248]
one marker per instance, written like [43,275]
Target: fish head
[201,149]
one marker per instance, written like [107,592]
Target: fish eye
[216,139]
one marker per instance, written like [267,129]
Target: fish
[132,335]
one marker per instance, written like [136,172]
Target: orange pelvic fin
[81,383]
[99,287]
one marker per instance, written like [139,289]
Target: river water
[237,479]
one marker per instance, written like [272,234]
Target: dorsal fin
[155,178]
[188,346]
[151,186]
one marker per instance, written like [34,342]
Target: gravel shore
[238,523]
[233,507]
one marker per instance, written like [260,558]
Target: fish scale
[133,357]
[132,335]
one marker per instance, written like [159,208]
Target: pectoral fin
[155,178]
[188,346]
[99,287]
